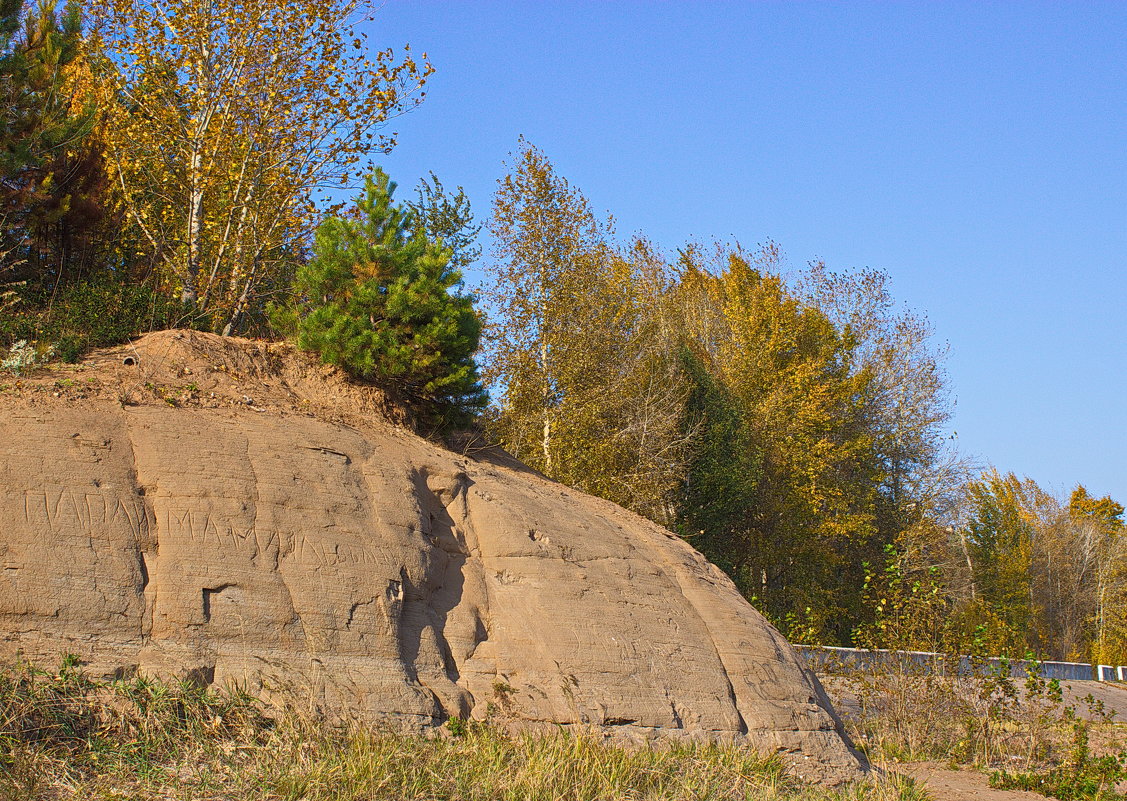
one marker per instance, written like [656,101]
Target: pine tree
[51,177]
[447,216]
[382,301]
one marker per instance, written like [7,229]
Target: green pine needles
[382,300]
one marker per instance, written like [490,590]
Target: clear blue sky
[977,152]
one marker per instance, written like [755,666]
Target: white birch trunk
[190,292]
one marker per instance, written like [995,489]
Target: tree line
[173,165]
[792,425]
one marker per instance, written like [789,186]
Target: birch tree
[1051,576]
[226,119]
[580,348]
[908,402]
[1099,523]
[549,250]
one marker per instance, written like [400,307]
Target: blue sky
[973,151]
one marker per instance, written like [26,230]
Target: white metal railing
[820,656]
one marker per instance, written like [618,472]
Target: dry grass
[63,736]
[989,721]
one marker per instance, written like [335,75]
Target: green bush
[93,314]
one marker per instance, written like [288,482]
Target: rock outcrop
[228,511]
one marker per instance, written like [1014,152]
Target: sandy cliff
[229,511]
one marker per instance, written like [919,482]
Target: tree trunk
[970,564]
[241,304]
[546,406]
[546,440]
[190,292]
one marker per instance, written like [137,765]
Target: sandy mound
[233,512]
[192,369]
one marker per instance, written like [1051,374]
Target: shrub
[93,314]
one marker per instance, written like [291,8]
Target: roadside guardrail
[823,657]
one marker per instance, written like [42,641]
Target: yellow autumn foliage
[224,120]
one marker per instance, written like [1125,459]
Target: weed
[23,355]
[91,314]
[1097,709]
[954,710]
[457,727]
[1081,777]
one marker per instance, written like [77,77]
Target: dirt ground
[968,784]
[944,784]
